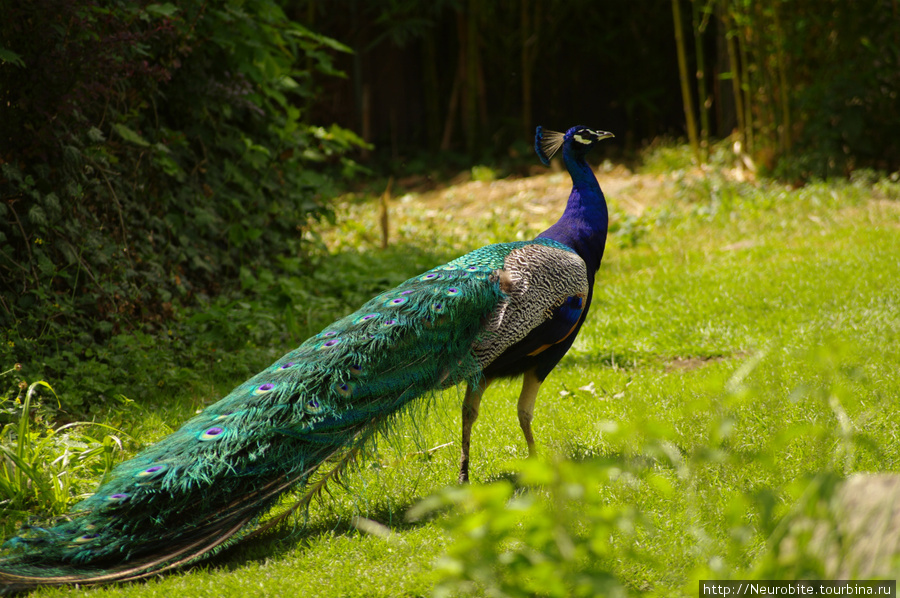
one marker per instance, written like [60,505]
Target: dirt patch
[541,195]
[693,363]
[528,203]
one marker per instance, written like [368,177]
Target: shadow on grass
[295,534]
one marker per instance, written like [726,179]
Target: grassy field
[742,351]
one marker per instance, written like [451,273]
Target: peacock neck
[584,223]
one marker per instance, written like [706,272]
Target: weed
[44,468]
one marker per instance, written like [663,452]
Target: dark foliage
[149,152]
[848,88]
[819,79]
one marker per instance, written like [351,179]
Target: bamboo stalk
[765,92]
[686,96]
[699,23]
[750,136]
[736,76]
[782,67]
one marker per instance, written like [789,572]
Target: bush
[551,537]
[149,153]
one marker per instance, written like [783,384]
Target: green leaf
[10,56]
[299,31]
[162,10]
[130,135]
[96,135]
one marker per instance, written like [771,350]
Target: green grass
[743,344]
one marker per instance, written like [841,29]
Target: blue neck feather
[584,223]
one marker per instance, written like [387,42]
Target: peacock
[503,310]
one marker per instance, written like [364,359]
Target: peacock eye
[344,389]
[263,388]
[86,538]
[365,318]
[151,471]
[332,342]
[212,433]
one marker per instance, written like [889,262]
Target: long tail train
[199,488]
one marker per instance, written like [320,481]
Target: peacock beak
[603,135]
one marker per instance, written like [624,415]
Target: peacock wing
[546,288]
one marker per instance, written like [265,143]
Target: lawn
[742,348]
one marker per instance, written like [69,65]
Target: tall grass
[45,469]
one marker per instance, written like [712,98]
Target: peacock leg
[469,415]
[530,387]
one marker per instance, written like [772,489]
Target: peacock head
[577,140]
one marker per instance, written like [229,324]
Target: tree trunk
[432,92]
[529,29]
[453,106]
[470,96]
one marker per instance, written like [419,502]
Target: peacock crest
[547,143]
